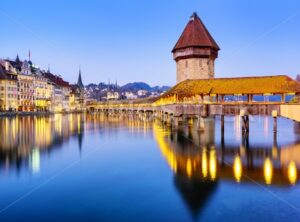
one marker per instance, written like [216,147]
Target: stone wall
[195,68]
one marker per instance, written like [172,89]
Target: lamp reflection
[35,160]
[28,137]
[237,168]
[189,167]
[292,172]
[268,171]
[204,163]
[212,164]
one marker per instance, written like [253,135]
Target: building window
[186,64]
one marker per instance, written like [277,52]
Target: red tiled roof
[195,34]
[56,79]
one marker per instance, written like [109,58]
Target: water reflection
[237,168]
[200,161]
[25,138]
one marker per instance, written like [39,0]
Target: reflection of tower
[195,52]
[195,168]
[194,192]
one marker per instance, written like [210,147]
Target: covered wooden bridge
[201,98]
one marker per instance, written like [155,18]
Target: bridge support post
[245,123]
[175,122]
[245,120]
[274,114]
[168,120]
[200,123]
[274,124]
[222,124]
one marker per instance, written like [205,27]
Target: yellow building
[42,92]
[60,100]
[8,88]
[26,92]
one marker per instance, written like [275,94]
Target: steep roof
[79,82]
[56,79]
[232,86]
[2,72]
[195,34]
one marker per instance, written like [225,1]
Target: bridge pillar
[222,123]
[245,120]
[185,120]
[175,122]
[168,119]
[274,124]
[274,114]
[200,123]
[245,123]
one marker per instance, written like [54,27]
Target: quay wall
[291,112]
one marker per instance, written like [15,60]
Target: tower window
[186,64]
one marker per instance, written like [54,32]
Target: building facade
[8,89]
[25,87]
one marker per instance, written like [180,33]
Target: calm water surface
[82,167]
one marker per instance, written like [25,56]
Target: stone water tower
[195,52]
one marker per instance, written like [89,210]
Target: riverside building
[24,87]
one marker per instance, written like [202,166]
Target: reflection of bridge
[207,161]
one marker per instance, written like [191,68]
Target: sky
[131,40]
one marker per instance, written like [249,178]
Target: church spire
[17,59]
[79,82]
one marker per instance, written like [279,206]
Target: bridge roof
[232,86]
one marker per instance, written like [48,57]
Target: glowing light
[237,168]
[274,152]
[292,172]
[204,163]
[268,171]
[212,164]
[189,167]
[35,160]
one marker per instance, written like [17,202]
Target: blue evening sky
[132,40]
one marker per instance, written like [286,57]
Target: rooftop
[232,86]
[195,34]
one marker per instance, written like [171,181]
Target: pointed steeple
[17,59]
[29,58]
[79,82]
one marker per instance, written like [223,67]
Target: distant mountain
[136,86]
[99,91]
[298,78]
[161,88]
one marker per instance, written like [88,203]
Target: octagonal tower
[195,52]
